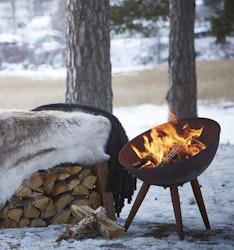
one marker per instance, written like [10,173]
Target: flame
[165,145]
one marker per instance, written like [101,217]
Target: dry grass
[24,93]
[147,86]
[214,78]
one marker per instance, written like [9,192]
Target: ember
[168,144]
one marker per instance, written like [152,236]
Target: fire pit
[170,155]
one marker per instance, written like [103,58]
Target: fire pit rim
[185,167]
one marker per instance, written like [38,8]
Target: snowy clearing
[154,224]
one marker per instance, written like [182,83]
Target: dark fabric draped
[120,182]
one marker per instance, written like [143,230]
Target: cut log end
[97,220]
[46,197]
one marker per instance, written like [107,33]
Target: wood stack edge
[46,197]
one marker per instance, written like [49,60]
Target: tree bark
[182,91]
[88,53]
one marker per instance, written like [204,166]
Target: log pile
[91,221]
[46,197]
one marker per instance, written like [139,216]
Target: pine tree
[88,53]
[138,16]
[222,24]
[182,91]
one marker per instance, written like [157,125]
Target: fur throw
[120,182]
[32,141]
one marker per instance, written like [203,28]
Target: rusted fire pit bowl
[180,172]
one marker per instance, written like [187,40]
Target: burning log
[171,156]
[197,137]
[167,143]
[151,162]
[46,197]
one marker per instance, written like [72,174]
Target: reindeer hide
[32,141]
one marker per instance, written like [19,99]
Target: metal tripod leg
[200,202]
[140,197]
[177,210]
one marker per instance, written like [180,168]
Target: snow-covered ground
[129,54]
[154,224]
[38,46]
[143,117]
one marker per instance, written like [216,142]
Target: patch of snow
[222,112]
[10,38]
[154,224]
[43,72]
[129,54]
[39,23]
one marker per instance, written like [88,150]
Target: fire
[166,144]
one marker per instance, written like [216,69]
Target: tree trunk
[88,53]
[182,91]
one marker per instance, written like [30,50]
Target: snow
[10,38]
[127,54]
[222,112]
[154,225]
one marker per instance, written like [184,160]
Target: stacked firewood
[46,197]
